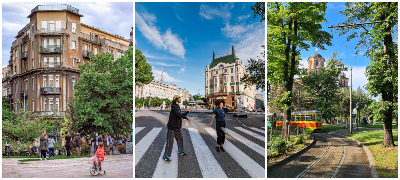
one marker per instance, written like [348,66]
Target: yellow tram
[312,119]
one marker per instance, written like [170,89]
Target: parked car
[259,110]
[240,111]
[254,110]
[249,109]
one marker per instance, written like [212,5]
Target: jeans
[51,152]
[94,149]
[112,149]
[67,147]
[171,134]
[220,133]
[43,153]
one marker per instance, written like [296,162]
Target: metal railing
[51,64]
[53,30]
[91,38]
[50,90]
[55,7]
[24,55]
[51,48]
[87,53]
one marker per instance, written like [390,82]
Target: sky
[115,18]
[345,50]
[181,38]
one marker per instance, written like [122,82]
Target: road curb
[374,173]
[289,157]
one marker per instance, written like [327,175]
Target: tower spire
[213,55]
[233,49]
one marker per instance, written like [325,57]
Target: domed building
[315,61]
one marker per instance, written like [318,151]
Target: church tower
[315,61]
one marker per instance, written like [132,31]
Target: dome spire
[316,49]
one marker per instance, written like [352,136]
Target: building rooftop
[57,7]
[316,55]
[226,59]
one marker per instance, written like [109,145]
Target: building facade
[222,82]
[45,56]
[161,90]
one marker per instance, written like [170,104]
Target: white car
[240,111]
[249,109]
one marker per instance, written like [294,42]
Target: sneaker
[40,158]
[217,148]
[166,159]
[222,148]
[182,154]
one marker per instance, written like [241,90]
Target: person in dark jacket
[78,143]
[67,143]
[96,141]
[174,128]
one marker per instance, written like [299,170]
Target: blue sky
[115,18]
[181,37]
[346,50]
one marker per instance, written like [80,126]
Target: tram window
[309,117]
[298,118]
[318,117]
[293,118]
[303,117]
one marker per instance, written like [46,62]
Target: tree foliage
[259,10]
[104,94]
[143,74]
[377,40]
[255,73]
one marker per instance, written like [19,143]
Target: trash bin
[8,149]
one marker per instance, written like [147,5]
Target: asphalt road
[244,144]
[343,154]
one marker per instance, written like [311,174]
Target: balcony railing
[55,7]
[50,48]
[91,38]
[50,90]
[26,37]
[51,64]
[53,30]
[24,55]
[87,53]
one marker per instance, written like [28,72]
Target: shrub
[299,139]
[85,150]
[278,145]
[289,144]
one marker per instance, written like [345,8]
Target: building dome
[316,55]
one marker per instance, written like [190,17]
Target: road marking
[165,169]
[257,148]
[258,130]
[144,144]
[262,138]
[263,127]
[244,125]
[248,164]
[209,166]
[138,129]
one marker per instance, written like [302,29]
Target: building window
[16,88]
[207,74]
[50,104]
[26,85]
[44,104]
[216,72]
[73,45]
[44,26]
[215,80]
[237,77]
[95,50]
[73,83]
[33,46]
[44,81]
[224,78]
[231,78]
[74,27]
[57,104]
[33,62]
[33,83]
[51,81]
[33,104]
[51,26]
[57,81]
[211,73]
[73,62]
[33,28]
[226,70]
[231,70]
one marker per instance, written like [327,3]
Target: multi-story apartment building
[222,80]
[161,90]
[45,56]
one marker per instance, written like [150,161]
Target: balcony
[90,38]
[9,97]
[50,90]
[53,31]
[51,49]
[51,64]
[24,55]
[87,53]
[26,37]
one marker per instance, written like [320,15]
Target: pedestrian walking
[67,143]
[96,141]
[174,129]
[44,143]
[219,114]
[112,145]
[108,142]
[365,122]
[78,144]
[51,146]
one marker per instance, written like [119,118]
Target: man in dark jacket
[174,129]
[78,144]
[96,141]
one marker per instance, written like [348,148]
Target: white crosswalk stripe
[248,164]
[258,130]
[263,127]
[257,148]
[208,164]
[138,129]
[262,138]
[168,169]
[144,144]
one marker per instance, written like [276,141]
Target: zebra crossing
[207,161]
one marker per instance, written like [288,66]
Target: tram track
[309,171]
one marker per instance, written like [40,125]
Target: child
[100,153]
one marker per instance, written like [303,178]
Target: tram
[312,119]
[271,120]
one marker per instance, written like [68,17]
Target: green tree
[255,74]
[290,26]
[104,94]
[7,112]
[324,86]
[196,97]
[143,74]
[185,102]
[259,10]
[377,40]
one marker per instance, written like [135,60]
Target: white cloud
[157,57]
[162,64]
[166,41]
[182,70]
[243,17]
[250,45]
[166,76]
[236,31]
[209,12]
